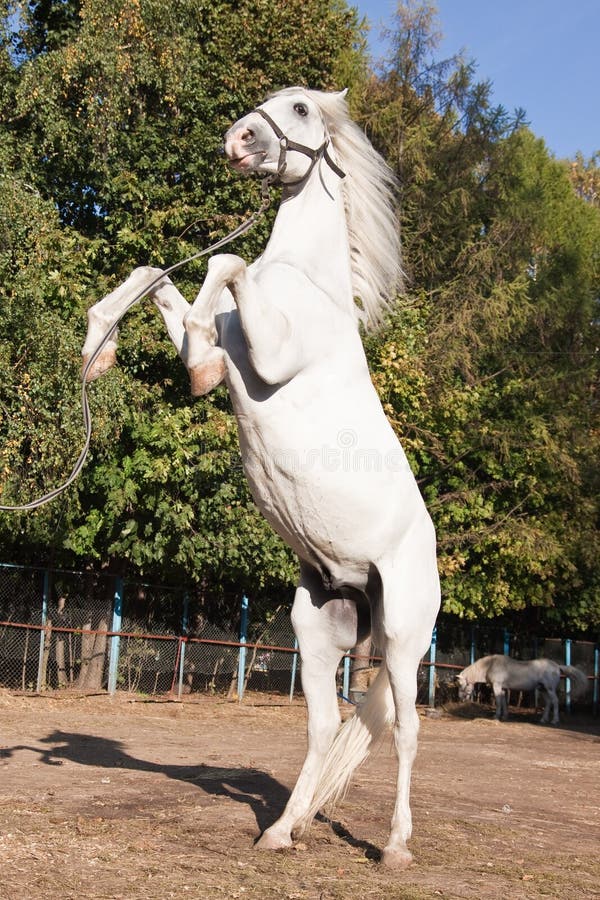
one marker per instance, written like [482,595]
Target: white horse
[505,674]
[322,461]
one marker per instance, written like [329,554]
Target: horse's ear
[342,94]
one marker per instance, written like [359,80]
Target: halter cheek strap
[285,144]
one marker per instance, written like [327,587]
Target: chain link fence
[92,632]
[20,592]
[89,631]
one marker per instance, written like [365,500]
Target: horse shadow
[265,796]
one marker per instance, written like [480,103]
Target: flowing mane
[373,228]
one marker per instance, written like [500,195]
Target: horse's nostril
[247,136]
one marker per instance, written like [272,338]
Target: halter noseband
[285,144]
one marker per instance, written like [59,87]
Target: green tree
[111,117]
[113,113]
[585,177]
[42,283]
[489,369]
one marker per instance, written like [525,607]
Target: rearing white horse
[323,463]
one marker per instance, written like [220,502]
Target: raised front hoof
[101,364]
[207,376]
[270,840]
[396,858]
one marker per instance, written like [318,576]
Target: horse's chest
[299,502]
[289,501]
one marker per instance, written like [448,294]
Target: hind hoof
[102,364]
[272,841]
[209,374]
[396,858]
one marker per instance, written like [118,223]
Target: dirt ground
[122,798]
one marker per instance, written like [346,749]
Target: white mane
[373,229]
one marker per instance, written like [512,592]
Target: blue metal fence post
[242,655]
[596,674]
[506,642]
[346,677]
[568,680]
[113,660]
[184,631]
[294,669]
[473,653]
[432,654]
[45,598]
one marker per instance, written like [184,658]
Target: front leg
[273,350]
[500,701]
[204,360]
[104,316]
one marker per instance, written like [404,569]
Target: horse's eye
[301,109]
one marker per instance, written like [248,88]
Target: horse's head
[285,136]
[465,688]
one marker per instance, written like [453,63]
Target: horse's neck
[310,234]
[478,670]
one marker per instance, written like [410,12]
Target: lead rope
[241,229]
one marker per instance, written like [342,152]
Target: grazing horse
[505,674]
[323,463]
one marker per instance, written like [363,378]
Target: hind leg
[546,712]
[551,703]
[410,602]
[402,662]
[555,719]
[326,627]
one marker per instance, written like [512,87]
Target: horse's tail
[579,678]
[351,745]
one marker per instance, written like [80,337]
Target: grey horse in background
[504,674]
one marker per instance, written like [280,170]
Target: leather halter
[285,144]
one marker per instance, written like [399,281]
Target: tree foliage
[111,119]
[490,370]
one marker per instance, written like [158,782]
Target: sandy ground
[122,798]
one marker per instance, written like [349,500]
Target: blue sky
[541,55]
